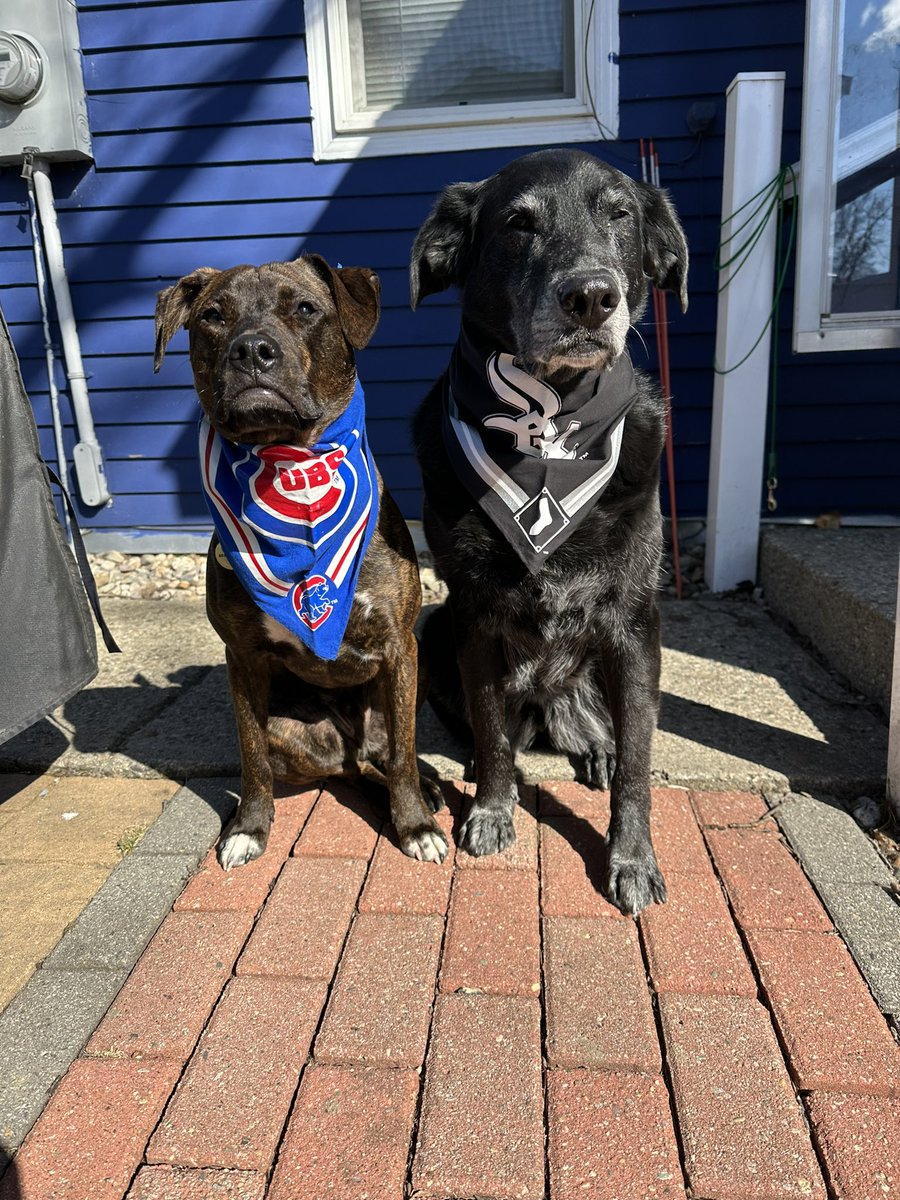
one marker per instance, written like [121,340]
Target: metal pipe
[87,455]
[62,466]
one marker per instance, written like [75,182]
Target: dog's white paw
[238,849]
[429,845]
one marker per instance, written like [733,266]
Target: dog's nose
[589,299]
[254,353]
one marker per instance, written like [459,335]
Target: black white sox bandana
[294,522]
[533,463]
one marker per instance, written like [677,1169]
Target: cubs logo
[297,485]
[311,601]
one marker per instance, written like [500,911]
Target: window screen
[426,53]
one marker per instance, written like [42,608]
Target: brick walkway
[337,1021]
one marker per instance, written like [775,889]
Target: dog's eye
[522,221]
[620,214]
[305,309]
[212,316]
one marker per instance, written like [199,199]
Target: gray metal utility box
[42,100]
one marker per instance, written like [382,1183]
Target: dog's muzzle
[589,300]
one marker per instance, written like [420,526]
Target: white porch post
[893,772]
[752,159]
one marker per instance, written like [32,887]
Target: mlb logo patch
[298,486]
[312,602]
[541,519]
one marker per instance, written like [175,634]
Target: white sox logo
[534,431]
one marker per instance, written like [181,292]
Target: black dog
[553,255]
[272,356]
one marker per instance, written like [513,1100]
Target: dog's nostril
[589,299]
[254,353]
[610,299]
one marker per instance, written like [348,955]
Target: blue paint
[200,116]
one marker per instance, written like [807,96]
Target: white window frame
[339,133]
[815,329]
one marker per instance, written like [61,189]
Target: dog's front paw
[595,768]
[427,844]
[432,794]
[487,831]
[239,848]
[634,881]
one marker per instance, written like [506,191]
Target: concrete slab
[120,920]
[41,1031]
[41,898]
[192,819]
[744,706]
[868,916]
[829,843]
[82,820]
[838,587]
[166,647]
[194,735]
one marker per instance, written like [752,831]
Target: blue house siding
[200,118]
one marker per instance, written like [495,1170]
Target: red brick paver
[493,938]
[836,1038]
[339,1022]
[344,824]
[721,810]
[246,888]
[568,799]
[859,1140]
[380,1007]
[522,854]
[178,1183]
[348,1138]
[676,835]
[91,1137]
[481,1131]
[597,1002]
[164,1004]
[692,944]
[305,921]
[391,887]
[611,1136]
[573,868]
[229,1108]
[765,884]
[742,1130]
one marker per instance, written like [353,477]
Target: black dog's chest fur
[553,624]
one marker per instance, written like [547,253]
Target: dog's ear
[357,297]
[442,250]
[173,306]
[665,246]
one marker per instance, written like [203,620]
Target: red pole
[661,317]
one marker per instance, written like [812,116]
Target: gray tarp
[48,651]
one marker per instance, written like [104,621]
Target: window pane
[422,53]
[866,224]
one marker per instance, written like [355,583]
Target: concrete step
[838,587]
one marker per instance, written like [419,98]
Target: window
[848,257]
[415,76]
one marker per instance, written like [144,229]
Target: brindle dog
[272,356]
[553,254]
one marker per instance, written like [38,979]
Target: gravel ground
[183,576]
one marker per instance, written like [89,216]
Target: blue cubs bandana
[295,522]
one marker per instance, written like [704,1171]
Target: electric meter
[42,99]
[21,69]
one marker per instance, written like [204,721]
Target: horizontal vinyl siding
[200,118]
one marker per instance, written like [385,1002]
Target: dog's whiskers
[641,338]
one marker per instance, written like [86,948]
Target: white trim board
[338,133]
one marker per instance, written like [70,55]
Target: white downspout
[87,456]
